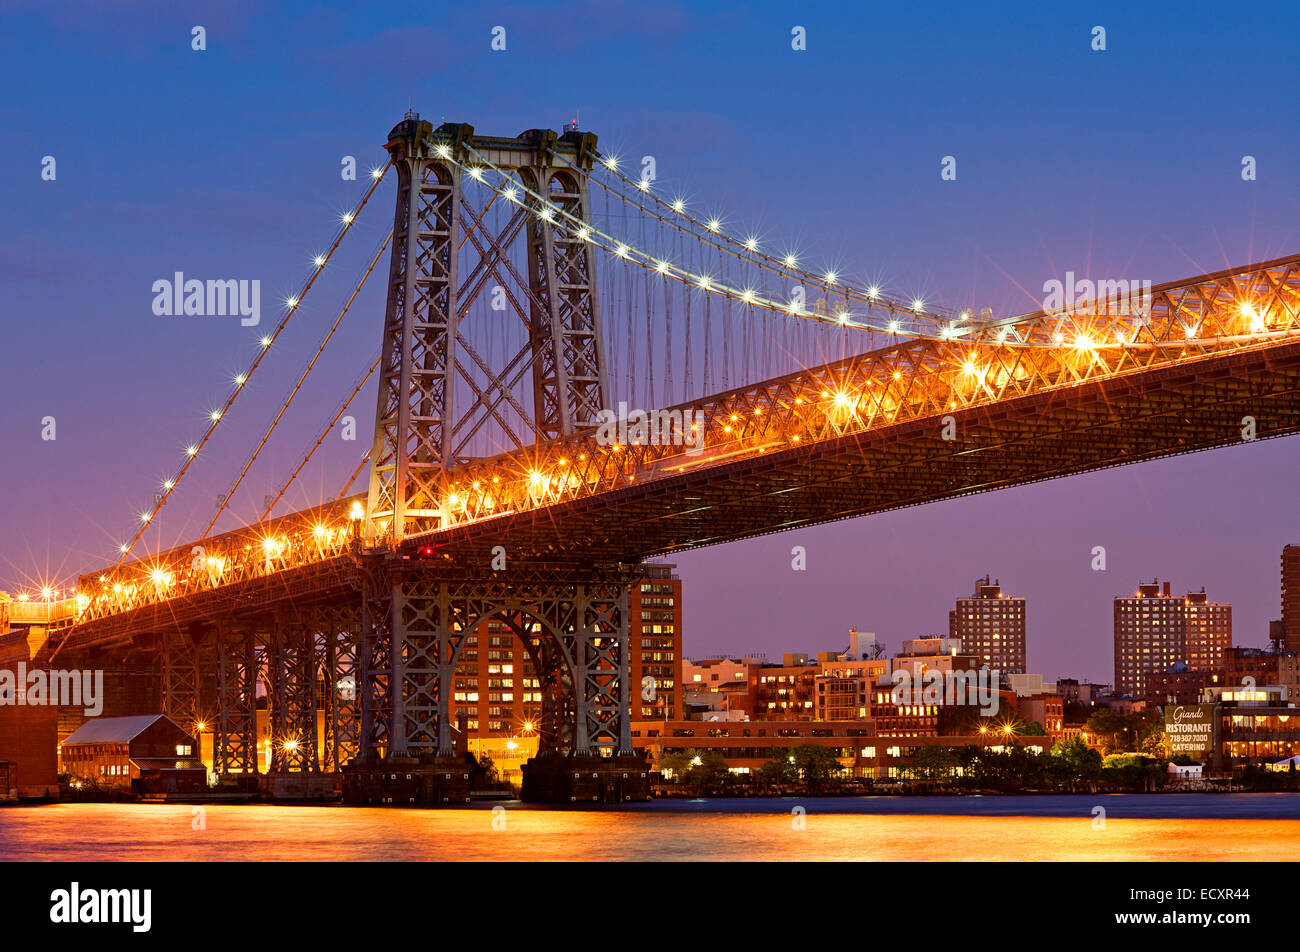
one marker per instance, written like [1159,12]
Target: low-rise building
[863,753]
[150,752]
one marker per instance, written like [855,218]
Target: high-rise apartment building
[1291,598]
[1154,631]
[991,626]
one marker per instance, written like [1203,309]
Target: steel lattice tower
[417,612]
[418,432]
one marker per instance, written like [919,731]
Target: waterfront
[1164,828]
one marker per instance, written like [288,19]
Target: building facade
[991,626]
[1155,631]
[1291,597]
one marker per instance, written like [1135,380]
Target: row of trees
[1067,767]
[705,771]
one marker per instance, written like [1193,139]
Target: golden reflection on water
[262,833]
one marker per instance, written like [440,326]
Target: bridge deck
[1182,407]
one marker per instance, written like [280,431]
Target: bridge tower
[417,609]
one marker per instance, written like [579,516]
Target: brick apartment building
[1154,631]
[991,626]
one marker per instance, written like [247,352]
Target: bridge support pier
[416,616]
[234,744]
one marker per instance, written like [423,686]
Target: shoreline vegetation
[810,770]
[1072,767]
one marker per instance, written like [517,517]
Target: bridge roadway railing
[1250,308]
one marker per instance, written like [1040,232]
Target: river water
[1158,827]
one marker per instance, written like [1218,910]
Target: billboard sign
[1190,729]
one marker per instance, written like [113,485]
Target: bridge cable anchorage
[311,363]
[348,220]
[585,231]
[748,253]
[343,407]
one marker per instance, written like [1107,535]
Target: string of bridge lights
[749,251]
[1020,329]
[586,232]
[284,407]
[292,303]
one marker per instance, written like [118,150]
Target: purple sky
[1120,164]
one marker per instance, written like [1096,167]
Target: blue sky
[226,161]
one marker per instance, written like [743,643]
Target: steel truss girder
[339,633]
[181,678]
[234,748]
[293,664]
[918,379]
[415,623]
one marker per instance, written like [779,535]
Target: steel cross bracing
[1252,310]
[415,624]
[419,433]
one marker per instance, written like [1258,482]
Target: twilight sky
[1123,163]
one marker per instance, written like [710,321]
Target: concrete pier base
[560,779]
[403,781]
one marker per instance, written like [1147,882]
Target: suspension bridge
[529,453]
